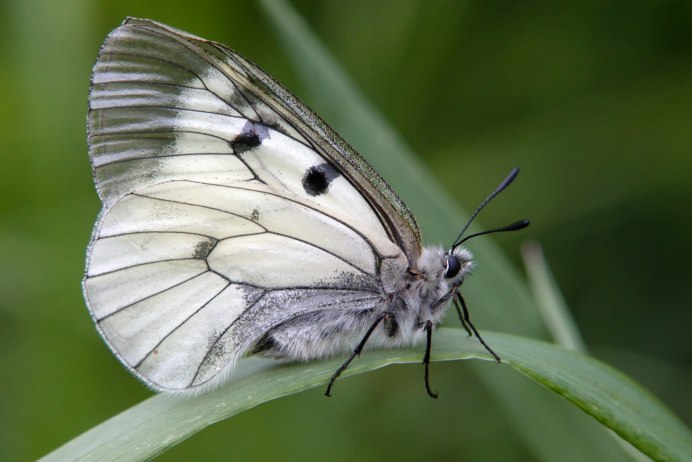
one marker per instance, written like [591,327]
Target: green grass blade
[549,299]
[162,421]
[606,394]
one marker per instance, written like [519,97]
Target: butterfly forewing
[159,94]
[229,208]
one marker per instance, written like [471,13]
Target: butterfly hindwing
[229,208]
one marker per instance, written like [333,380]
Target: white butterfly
[235,221]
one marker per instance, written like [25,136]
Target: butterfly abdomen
[403,313]
[316,335]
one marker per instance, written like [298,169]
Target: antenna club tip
[507,181]
[521,224]
[514,226]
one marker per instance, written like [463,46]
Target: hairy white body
[421,295]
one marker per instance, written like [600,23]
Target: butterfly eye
[452,266]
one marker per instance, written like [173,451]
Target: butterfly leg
[451,294]
[428,325]
[461,317]
[467,321]
[355,353]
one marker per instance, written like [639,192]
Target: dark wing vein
[177,284]
[181,324]
[173,64]
[202,54]
[373,250]
[322,212]
[171,156]
[218,338]
[311,244]
[174,110]
[200,206]
[136,265]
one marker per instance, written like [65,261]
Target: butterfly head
[445,268]
[457,263]
[457,260]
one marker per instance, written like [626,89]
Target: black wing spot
[203,249]
[255,214]
[317,179]
[252,136]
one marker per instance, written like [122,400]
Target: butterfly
[236,222]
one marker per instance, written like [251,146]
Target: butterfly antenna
[513,227]
[517,225]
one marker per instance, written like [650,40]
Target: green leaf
[606,394]
[162,421]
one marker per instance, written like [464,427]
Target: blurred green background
[593,101]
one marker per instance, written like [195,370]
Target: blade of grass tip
[558,317]
[499,285]
[551,304]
